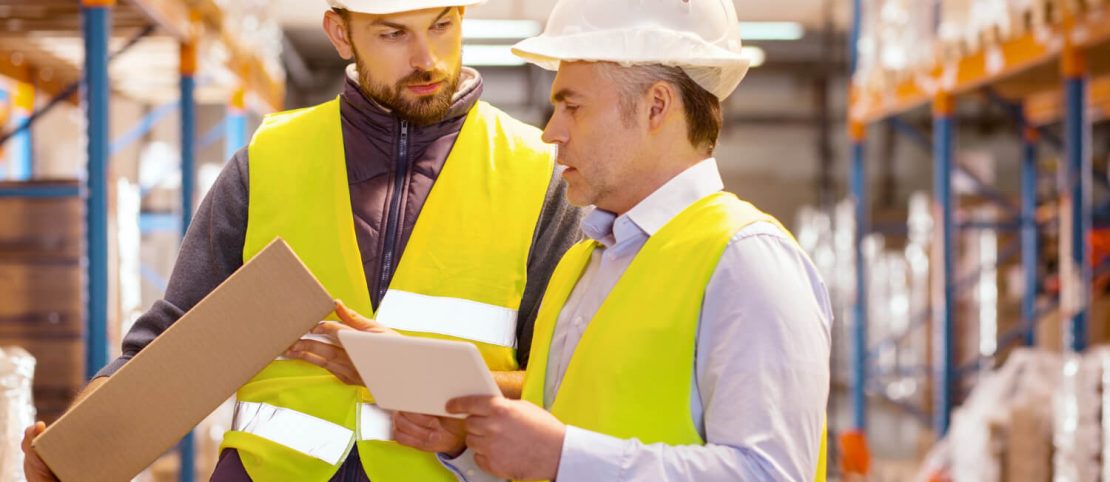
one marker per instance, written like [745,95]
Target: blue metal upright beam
[235,136]
[188,135]
[1029,235]
[22,145]
[97,18]
[187,446]
[944,355]
[1077,148]
[6,111]
[858,178]
[859,305]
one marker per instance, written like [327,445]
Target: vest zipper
[394,210]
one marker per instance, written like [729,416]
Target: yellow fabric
[630,375]
[471,241]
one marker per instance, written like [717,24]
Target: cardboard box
[40,298]
[50,228]
[188,371]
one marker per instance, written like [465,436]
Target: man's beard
[424,110]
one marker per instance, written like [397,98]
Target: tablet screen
[418,375]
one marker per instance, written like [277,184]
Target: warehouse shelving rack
[1059,71]
[185,22]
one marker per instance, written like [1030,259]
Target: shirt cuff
[465,468]
[591,456]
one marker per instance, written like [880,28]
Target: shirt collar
[656,210]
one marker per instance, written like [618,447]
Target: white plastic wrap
[1081,428]
[896,40]
[1002,432]
[256,30]
[17,412]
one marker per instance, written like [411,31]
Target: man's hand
[429,433]
[33,467]
[331,356]
[511,438]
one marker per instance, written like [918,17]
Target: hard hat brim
[387,8]
[637,47]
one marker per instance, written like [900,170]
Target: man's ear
[336,28]
[662,100]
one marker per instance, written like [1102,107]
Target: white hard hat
[700,36]
[383,7]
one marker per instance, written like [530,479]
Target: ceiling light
[771,31]
[490,56]
[474,29]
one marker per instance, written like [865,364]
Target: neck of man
[661,164]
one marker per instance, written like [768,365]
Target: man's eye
[393,35]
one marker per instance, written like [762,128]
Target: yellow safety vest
[631,373]
[461,276]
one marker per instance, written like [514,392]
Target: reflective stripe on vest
[470,320]
[461,275]
[632,369]
[299,431]
[374,423]
[310,435]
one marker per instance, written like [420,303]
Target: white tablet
[418,375]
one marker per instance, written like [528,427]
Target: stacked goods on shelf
[17,367]
[900,39]
[895,41]
[1082,419]
[828,240]
[1004,431]
[897,293]
[41,276]
[1040,417]
[255,31]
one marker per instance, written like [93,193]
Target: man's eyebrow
[564,94]
[386,23]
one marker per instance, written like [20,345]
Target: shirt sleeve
[211,251]
[466,469]
[762,374]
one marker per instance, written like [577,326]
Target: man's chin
[577,198]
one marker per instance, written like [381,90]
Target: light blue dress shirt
[761,372]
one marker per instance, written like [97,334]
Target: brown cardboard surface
[161,394]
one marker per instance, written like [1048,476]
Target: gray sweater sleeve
[556,231]
[211,251]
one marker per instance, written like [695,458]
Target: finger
[28,435]
[483,462]
[344,372]
[427,421]
[412,435]
[414,441]
[406,425]
[480,426]
[471,405]
[354,319]
[322,350]
[330,328]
